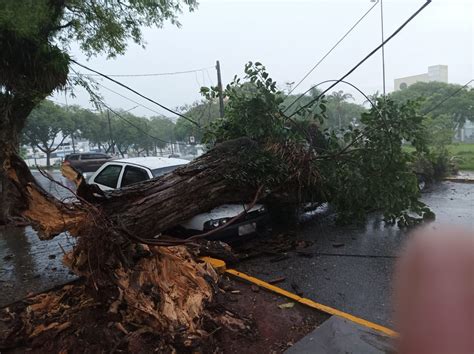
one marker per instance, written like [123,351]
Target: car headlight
[212,224]
[223,221]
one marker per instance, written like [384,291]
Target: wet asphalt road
[28,265]
[356,276]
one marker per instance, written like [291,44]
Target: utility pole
[72,134]
[219,87]
[110,133]
[383,47]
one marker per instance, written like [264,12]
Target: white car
[124,172]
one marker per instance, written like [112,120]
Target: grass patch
[464,154]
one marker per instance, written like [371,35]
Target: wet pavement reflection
[351,267]
[27,264]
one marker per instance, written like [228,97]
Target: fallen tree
[137,277]
[123,253]
[149,280]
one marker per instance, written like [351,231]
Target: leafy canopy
[99,26]
[106,26]
[459,107]
[35,38]
[45,124]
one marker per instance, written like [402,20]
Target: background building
[435,73]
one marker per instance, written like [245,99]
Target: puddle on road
[28,264]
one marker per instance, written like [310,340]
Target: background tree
[337,110]
[459,107]
[203,112]
[162,128]
[143,141]
[47,127]
[125,135]
[336,99]
[86,124]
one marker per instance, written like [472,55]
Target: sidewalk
[340,336]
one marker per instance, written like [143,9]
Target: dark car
[86,162]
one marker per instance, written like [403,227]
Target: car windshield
[163,170]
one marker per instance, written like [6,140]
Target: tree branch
[45,150]
[60,27]
[53,150]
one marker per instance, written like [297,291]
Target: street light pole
[110,133]
[383,47]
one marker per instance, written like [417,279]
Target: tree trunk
[48,159]
[13,114]
[149,208]
[73,143]
[144,210]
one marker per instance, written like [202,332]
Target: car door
[108,177]
[133,174]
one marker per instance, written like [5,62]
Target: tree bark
[149,208]
[48,159]
[31,69]
[13,114]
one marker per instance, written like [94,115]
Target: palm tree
[373,98]
[338,97]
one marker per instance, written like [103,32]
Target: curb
[459,180]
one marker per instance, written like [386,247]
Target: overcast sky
[288,37]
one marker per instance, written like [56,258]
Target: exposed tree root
[161,303]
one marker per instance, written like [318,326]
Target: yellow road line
[221,267]
[459,180]
[217,264]
[313,304]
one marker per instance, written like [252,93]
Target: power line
[129,99]
[333,47]
[363,60]
[383,48]
[136,126]
[209,77]
[347,83]
[448,97]
[137,93]
[153,74]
